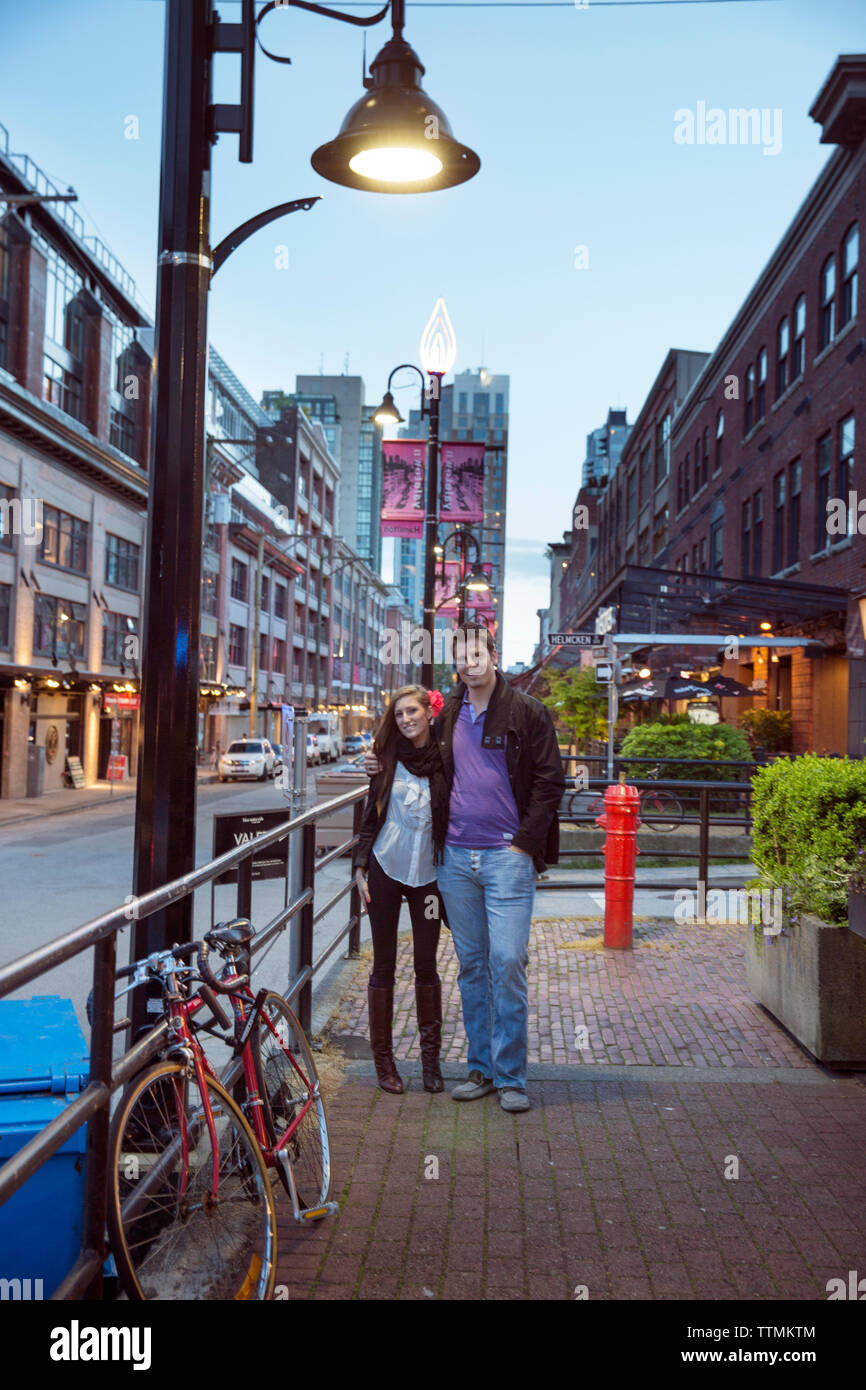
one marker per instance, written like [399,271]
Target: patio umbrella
[683,688]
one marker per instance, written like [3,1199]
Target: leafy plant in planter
[809,833]
[768,728]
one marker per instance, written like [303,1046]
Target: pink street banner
[403,487]
[447,589]
[462,481]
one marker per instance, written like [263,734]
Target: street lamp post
[166,790]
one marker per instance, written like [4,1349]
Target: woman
[400,842]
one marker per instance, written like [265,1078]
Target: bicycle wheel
[287,1077]
[170,1237]
[584,806]
[664,810]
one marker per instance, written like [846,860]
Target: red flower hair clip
[436,701]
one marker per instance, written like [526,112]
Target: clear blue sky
[572,113]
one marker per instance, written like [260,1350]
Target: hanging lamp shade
[396,139]
[387,412]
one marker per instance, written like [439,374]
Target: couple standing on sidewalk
[461,815]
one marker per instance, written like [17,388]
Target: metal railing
[698,793]
[92,1105]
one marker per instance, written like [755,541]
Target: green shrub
[769,728]
[711,742]
[809,832]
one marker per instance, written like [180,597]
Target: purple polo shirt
[483,812]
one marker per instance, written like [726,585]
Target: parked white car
[247,757]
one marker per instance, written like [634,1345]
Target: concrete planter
[812,978]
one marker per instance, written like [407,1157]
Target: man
[504,769]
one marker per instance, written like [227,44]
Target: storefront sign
[116,767]
[112,702]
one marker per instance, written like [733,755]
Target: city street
[62,870]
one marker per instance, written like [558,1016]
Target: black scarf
[427,762]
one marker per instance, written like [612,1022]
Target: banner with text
[462,481]
[403,487]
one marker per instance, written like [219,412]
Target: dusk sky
[573,112]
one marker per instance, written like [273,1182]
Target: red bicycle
[191,1211]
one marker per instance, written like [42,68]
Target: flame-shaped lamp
[438,347]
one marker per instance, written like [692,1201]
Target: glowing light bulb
[395,165]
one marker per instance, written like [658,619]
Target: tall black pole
[166,793]
[431,527]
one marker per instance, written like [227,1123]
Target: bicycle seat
[235,933]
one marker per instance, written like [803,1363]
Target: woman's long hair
[385,740]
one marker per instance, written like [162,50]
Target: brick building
[730,505]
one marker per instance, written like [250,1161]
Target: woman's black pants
[425,908]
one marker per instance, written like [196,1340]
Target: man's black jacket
[524,728]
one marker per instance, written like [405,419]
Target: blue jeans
[488,895]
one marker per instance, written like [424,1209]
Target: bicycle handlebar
[207,974]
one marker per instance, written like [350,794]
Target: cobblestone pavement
[677,998]
[690,1151]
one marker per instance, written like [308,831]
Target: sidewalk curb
[110,800]
[592,1073]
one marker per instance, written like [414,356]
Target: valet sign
[112,702]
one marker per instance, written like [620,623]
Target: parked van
[326,727]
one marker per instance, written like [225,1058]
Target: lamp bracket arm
[362,21]
[236,238]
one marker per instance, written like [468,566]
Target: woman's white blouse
[404,845]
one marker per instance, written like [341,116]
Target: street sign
[604,672]
[576,639]
[229,831]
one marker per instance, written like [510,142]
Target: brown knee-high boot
[428,1006]
[380,1005]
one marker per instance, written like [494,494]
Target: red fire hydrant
[620,820]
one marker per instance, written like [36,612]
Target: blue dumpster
[43,1066]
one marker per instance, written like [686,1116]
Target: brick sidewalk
[615,1182]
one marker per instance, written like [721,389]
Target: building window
[758,532]
[5,615]
[266,594]
[720,439]
[660,530]
[697,486]
[663,450]
[746,538]
[64,333]
[845,470]
[687,476]
[850,256]
[631,498]
[61,387]
[645,459]
[778,521]
[749,404]
[207,657]
[798,361]
[796,478]
[280,600]
[209,594]
[822,490]
[58,627]
[717,545]
[240,580]
[264,651]
[4,295]
[500,402]
[480,403]
[237,645]
[761,393]
[121,563]
[462,406]
[279,655]
[703,555]
[64,540]
[827,316]
[783,335]
[122,433]
[706,456]
[116,627]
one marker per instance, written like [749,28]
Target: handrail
[91,1106]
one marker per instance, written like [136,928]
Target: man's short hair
[472,632]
